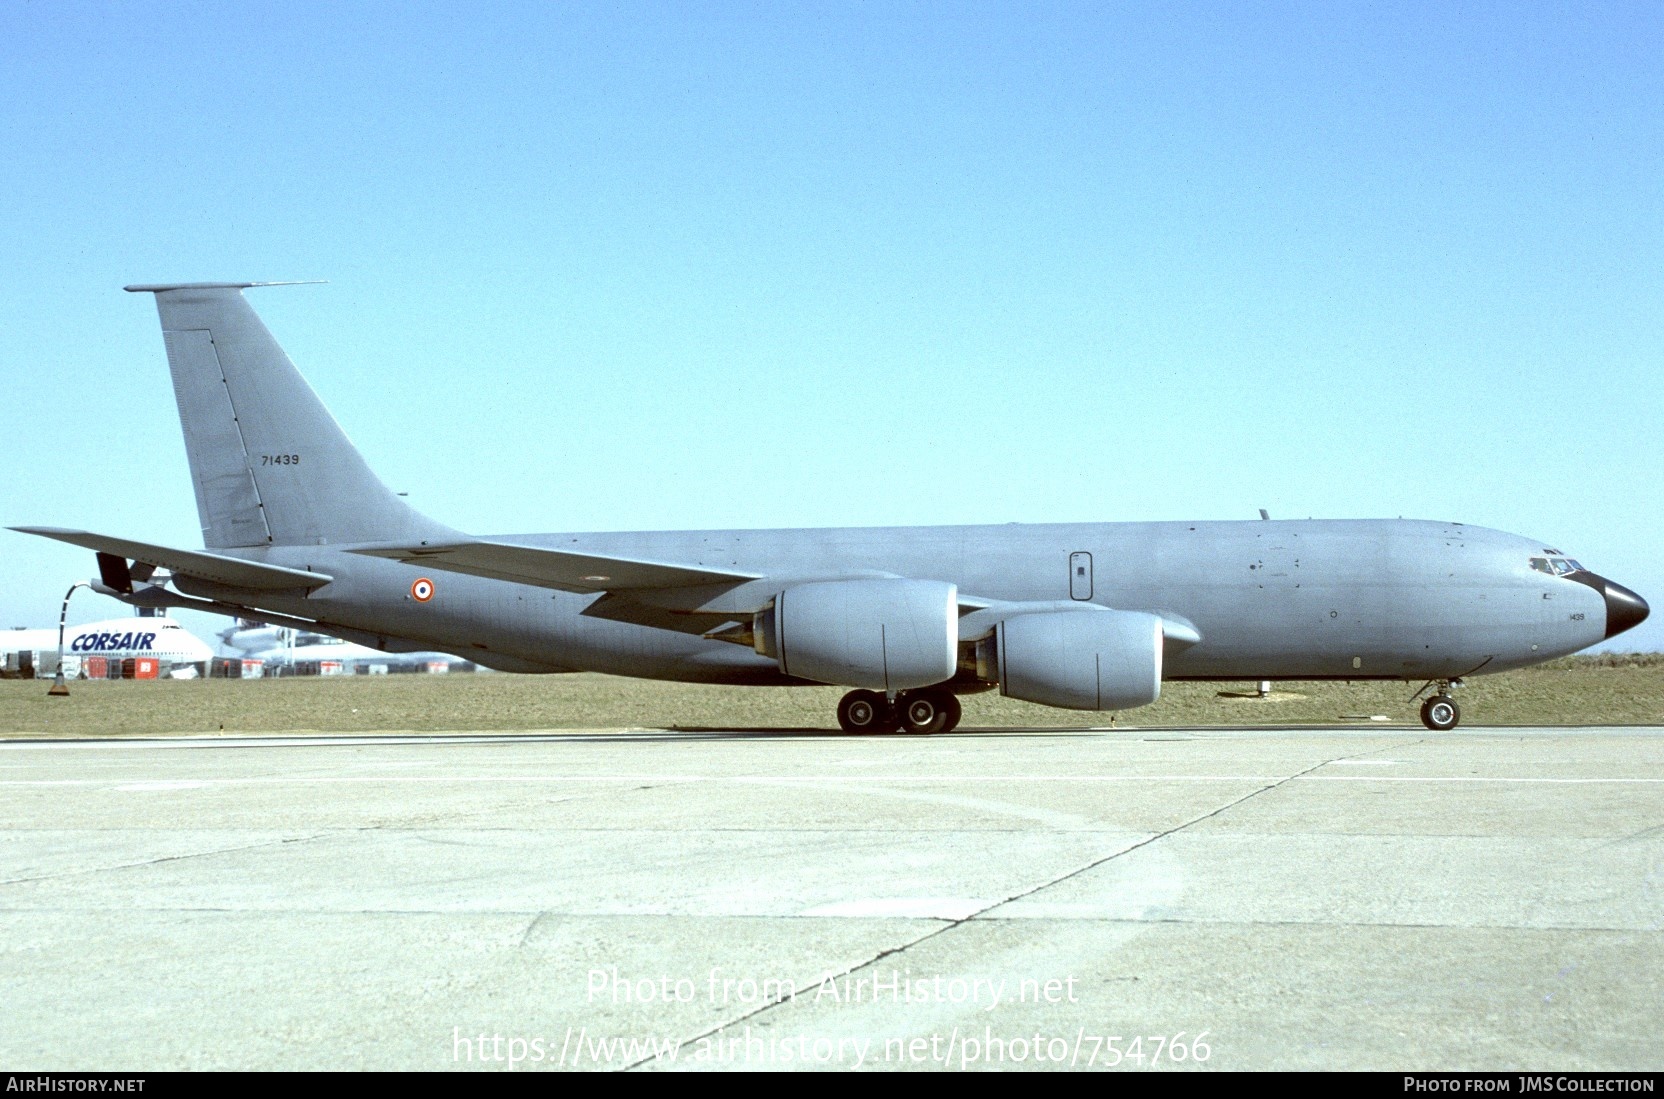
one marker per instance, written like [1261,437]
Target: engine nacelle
[1079,660]
[886,635]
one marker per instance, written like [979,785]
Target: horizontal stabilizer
[163,287]
[562,570]
[231,571]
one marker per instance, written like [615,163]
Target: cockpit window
[1556,566]
[1541,565]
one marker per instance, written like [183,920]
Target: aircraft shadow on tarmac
[718,732]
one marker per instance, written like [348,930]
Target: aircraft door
[1080,576]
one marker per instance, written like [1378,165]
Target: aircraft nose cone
[1624,609]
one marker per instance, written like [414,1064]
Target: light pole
[59,688]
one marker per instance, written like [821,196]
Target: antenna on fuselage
[1264,514]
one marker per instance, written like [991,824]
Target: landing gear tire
[926,712]
[866,712]
[1440,713]
[954,712]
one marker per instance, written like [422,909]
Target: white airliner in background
[282,646]
[114,638]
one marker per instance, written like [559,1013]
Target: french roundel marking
[422,590]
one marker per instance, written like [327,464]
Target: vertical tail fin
[270,464]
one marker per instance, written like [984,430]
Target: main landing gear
[1440,712]
[932,710]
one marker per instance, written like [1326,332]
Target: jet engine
[882,634]
[1078,660]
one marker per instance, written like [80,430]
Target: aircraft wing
[232,571]
[978,617]
[562,570]
[645,593]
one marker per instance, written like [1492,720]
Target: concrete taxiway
[1312,898]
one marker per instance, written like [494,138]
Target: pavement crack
[827,975]
[163,859]
[531,926]
[949,924]
[1177,828]
[1645,834]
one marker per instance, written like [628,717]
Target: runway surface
[1311,898]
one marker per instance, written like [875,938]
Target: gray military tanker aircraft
[299,532]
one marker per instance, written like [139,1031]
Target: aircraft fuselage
[1306,599]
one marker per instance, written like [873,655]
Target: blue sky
[601,267]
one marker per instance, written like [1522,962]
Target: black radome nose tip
[1624,609]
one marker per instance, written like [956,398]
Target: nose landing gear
[932,710]
[1440,712]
